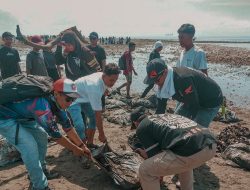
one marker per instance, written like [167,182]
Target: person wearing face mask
[91,89]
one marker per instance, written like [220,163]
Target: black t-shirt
[100,53]
[153,55]
[172,132]
[49,59]
[195,89]
[75,67]
[9,62]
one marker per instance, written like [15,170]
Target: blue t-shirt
[40,110]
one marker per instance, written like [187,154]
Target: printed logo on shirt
[77,61]
[9,54]
[73,87]
[188,90]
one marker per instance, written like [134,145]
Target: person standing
[35,64]
[9,57]
[128,72]
[97,50]
[99,54]
[191,56]
[158,46]
[50,63]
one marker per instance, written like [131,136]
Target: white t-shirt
[167,90]
[194,58]
[91,89]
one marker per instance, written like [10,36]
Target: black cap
[93,35]
[7,34]
[136,114]
[155,68]
[187,28]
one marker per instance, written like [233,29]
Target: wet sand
[215,174]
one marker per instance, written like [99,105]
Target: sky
[127,17]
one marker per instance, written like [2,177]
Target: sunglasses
[93,38]
[68,98]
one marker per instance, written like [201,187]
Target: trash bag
[8,153]
[134,142]
[121,167]
[239,153]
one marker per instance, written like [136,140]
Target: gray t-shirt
[35,63]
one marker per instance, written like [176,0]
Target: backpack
[20,87]
[122,63]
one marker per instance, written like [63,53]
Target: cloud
[131,17]
[7,22]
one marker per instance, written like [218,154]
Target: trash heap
[234,144]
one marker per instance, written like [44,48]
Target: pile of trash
[8,153]
[234,144]
[119,108]
[121,167]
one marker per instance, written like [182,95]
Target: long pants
[79,124]
[168,163]
[32,145]
[161,105]
[203,117]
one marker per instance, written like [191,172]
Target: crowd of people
[114,40]
[80,97]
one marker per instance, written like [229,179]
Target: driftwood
[54,42]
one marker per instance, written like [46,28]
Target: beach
[228,66]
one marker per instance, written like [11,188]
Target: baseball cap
[93,35]
[66,86]
[37,39]
[154,69]
[158,44]
[7,34]
[136,114]
[187,29]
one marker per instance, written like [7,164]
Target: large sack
[239,153]
[8,153]
[121,167]
[20,87]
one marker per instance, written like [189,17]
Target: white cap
[66,86]
[158,44]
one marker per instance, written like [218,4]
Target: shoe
[50,175]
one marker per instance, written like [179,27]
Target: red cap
[36,39]
[66,86]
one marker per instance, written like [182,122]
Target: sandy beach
[229,66]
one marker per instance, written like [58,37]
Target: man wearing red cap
[18,124]
[35,64]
